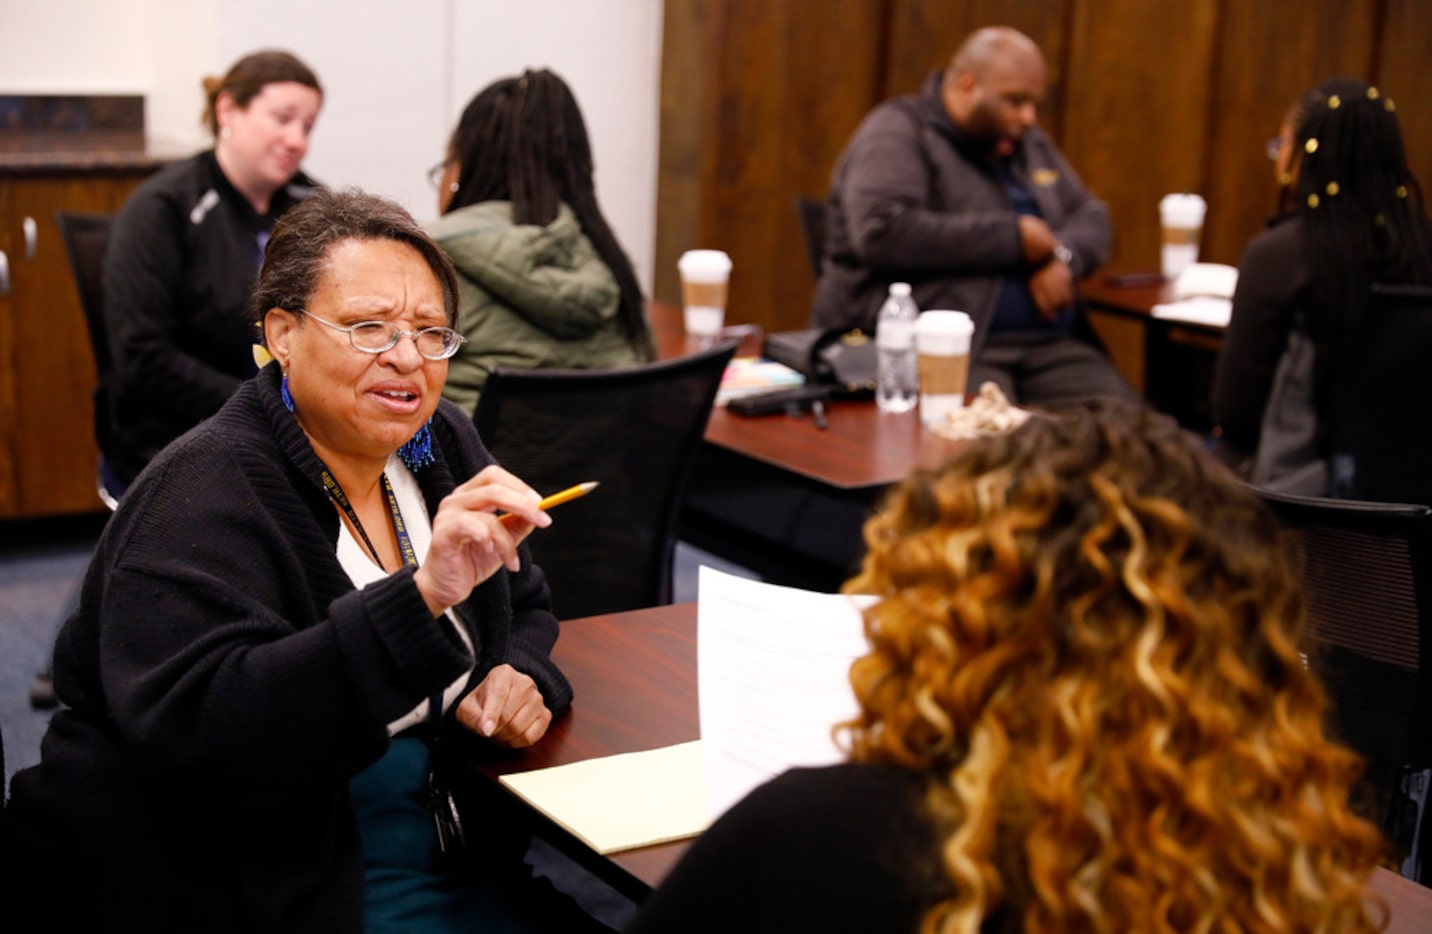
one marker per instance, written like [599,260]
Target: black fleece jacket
[181,262]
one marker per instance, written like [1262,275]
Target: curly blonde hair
[1088,637]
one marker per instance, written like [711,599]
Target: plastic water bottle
[897,377]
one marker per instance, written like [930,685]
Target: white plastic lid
[900,289]
[705,264]
[939,325]
[1183,208]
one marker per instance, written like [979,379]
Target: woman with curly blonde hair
[1083,709]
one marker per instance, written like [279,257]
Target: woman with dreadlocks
[1351,216]
[543,281]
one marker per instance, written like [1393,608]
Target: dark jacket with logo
[914,200]
[181,262]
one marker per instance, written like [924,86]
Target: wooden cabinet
[47,376]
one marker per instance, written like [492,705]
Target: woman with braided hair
[543,281]
[1082,709]
[1351,215]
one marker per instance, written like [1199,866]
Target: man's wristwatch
[1064,254]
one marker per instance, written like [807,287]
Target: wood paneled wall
[758,98]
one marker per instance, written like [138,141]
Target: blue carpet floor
[39,562]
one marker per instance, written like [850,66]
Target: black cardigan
[225,680]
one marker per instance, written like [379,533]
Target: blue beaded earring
[284,393]
[418,450]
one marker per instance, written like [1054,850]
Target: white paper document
[1214,312]
[621,802]
[1212,280]
[773,667]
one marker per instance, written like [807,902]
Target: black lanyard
[440,800]
[405,543]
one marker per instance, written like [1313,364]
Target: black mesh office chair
[1366,573]
[634,430]
[86,236]
[812,217]
[1381,450]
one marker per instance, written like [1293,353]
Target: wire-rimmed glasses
[1275,146]
[435,177]
[375,337]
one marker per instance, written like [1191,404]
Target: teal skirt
[409,886]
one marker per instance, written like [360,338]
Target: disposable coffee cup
[704,278]
[1181,217]
[942,342]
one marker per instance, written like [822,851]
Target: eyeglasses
[378,337]
[435,177]
[1275,146]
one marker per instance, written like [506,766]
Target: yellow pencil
[556,499]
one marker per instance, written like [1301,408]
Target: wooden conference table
[859,448]
[780,495]
[787,499]
[1178,357]
[634,675]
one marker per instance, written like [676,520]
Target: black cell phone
[777,400]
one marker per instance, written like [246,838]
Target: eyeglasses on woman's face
[436,174]
[377,337]
[1276,144]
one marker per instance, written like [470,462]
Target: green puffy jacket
[530,296]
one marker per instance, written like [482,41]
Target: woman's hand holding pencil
[556,499]
[477,530]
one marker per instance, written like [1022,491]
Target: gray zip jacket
[914,200]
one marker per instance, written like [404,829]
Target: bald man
[957,191]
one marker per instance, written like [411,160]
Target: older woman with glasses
[295,619]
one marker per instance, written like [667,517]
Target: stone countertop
[94,151]
[69,133]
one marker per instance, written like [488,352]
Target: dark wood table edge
[826,478]
[1103,292]
[633,872]
[636,872]
[607,867]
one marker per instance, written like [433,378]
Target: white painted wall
[73,47]
[609,53]
[396,77]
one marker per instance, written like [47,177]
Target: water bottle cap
[900,289]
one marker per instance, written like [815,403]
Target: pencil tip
[590,485]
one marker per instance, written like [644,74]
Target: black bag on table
[841,359]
